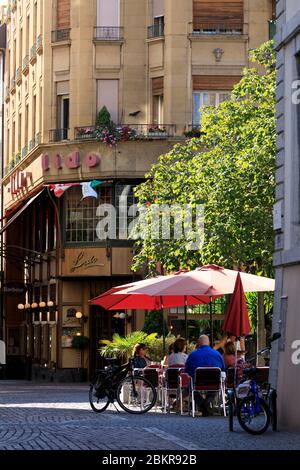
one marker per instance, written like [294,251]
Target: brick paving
[58,417]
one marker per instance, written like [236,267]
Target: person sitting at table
[204,356]
[179,356]
[233,359]
[165,362]
[140,359]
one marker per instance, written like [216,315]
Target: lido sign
[71,161]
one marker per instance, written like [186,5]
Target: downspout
[2,313]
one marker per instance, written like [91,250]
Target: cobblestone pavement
[58,417]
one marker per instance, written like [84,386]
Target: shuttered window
[63,14]
[218,15]
[215,82]
[158,86]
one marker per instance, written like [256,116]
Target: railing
[17,158]
[25,66]
[31,145]
[38,138]
[24,151]
[61,35]
[32,58]
[156,31]
[39,44]
[19,75]
[130,131]
[57,135]
[109,33]
[88,132]
[211,28]
[272,29]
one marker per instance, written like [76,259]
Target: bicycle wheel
[98,398]
[254,421]
[136,395]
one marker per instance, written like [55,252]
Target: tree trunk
[261,331]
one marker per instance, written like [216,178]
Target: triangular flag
[59,189]
[88,191]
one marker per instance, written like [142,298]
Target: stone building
[153,64]
[285,363]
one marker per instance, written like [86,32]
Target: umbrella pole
[185,318]
[163,326]
[235,364]
[211,323]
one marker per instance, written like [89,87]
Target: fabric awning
[20,211]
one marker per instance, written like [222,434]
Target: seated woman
[165,361]
[140,360]
[179,356]
[232,359]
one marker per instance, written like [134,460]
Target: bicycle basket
[243,390]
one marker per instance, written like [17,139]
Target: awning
[23,208]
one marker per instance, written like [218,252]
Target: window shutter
[63,14]
[158,8]
[158,86]
[214,82]
[211,13]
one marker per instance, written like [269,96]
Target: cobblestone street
[58,417]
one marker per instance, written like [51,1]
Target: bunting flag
[59,189]
[88,190]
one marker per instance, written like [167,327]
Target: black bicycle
[133,392]
[255,406]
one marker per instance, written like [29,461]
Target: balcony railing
[32,58]
[211,29]
[156,31]
[85,132]
[31,144]
[57,135]
[39,44]
[108,33]
[25,66]
[24,151]
[61,35]
[19,76]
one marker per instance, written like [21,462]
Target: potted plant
[106,130]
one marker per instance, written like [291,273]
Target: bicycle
[255,408]
[134,393]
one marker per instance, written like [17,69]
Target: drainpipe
[2,63]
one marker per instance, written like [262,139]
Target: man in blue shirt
[204,356]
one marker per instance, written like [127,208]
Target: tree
[231,171]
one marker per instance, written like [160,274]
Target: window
[124,199]
[206,98]
[63,14]
[158,100]
[108,13]
[80,214]
[108,95]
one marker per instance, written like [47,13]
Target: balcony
[19,76]
[7,94]
[108,33]
[58,135]
[128,132]
[13,86]
[32,57]
[82,133]
[212,29]
[39,44]
[25,66]
[24,151]
[60,35]
[17,158]
[31,145]
[156,31]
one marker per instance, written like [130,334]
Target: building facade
[153,64]
[286,353]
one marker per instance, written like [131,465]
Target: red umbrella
[236,321]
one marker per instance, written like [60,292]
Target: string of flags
[88,188]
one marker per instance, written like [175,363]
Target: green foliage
[103,118]
[123,346]
[80,342]
[251,299]
[231,171]
[154,322]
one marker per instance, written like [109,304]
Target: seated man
[204,356]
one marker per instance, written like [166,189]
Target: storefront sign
[19,181]
[13,288]
[71,161]
[85,262]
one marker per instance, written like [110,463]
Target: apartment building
[285,364]
[153,64]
